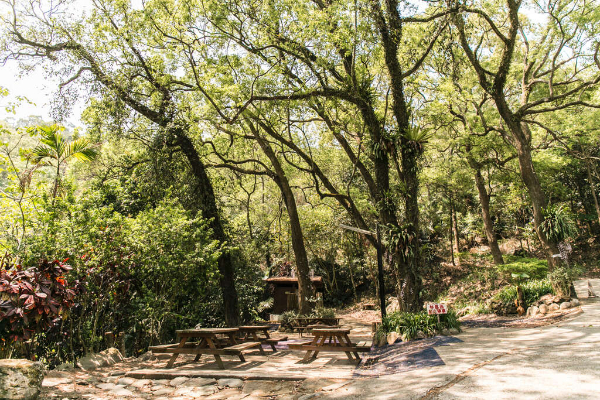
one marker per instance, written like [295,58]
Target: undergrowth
[408,325]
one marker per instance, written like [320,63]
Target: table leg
[201,345]
[175,355]
[217,357]
[349,343]
[322,343]
[256,339]
[308,352]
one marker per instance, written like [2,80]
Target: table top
[254,327]
[330,331]
[204,331]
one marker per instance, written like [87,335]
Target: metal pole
[380,275]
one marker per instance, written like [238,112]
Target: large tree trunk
[488,225]
[305,289]
[521,140]
[454,223]
[208,207]
[593,189]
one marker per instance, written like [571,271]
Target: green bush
[409,324]
[532,291]
[323,312]
[532,267]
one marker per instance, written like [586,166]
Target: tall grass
[408,324]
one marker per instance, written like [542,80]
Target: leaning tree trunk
[305,290]
[208,207]
[488,225]
[454,223]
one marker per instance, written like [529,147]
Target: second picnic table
[338,342]
[210,343]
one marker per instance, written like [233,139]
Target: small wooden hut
[285,292]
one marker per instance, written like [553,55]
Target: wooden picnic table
[338,342]
[251,333]
[210,343]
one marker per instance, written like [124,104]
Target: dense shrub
[534,268]
[409,324]
[532,291]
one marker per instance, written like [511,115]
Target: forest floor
[555,357]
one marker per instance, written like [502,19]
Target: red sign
[435,308]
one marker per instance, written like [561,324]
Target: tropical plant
[54,151]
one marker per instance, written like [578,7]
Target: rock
[575,303]
[116,373]
[565,305]
[109,386]
[126,381]
[197,382]
[553,307]
[392,337]
[446,332]
[165,391]
[421,335]
[534,311]
[52,382]
[122,392]
[335,386]
[392,305]
[231,382]
[195,391]
[543,309]
[140,383]
[106,357]
[65,367]
[454,331]
[20,379]
[178,381]
[147,356]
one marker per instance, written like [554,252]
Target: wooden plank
[342,349]
[243,346]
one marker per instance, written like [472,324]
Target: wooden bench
[273,341]
[237,349]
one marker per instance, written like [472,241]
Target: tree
[54,151]
[529,71]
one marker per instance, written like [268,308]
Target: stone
[392,337]
[335,386]
[227,394]
[553,307]
[197,382]
[65,367]
[126,381]
[106,357]
[421,335]
[52,382]
[565,305]
[116,373]
[195,391]
[178,381]
[454,331]
[20,379]
[109,386]
[140,383]
[446,332]
[575,303]
[392,305]
[122,392]
[147,356]
[543,309]
[308,396]
[534,310]
[165,391]
[268,388]
[230,382]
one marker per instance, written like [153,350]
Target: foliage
[558,223]
[34,299]
[532,291]
[408,325]
[532,268]
[322,312]
[562,277]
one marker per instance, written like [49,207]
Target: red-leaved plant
[35,299]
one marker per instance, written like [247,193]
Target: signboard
[437,308]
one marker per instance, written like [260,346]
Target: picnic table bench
[210,343]
[304,323]
[251,333]
[338,342]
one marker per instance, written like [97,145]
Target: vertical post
[380,275]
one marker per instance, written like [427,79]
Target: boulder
[421,335]
[20,379]
[543,309]
[575,303]
[105,357]
[392,337]
[553,307]
[565,305]
[392,305]
[533,311]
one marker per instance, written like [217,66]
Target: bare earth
[556,356]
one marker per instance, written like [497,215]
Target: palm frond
[81,149]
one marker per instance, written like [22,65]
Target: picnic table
[210,343]
[251,333]
[338,342]
[304,323]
